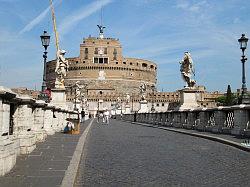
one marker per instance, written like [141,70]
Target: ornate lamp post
[76,89]
[45,38]
[243,45]
[153,98]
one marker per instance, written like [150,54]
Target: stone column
[7,149]
[145,117]
[190,119]
[61,120]
[38,126]
[241,120]
[48,119]
[55,119]
[157,118]
[164,118]
[23,121]
[204,117]
[219,117]
[177,119]
[5,110]
[183,118]
[168,118]
[151,118]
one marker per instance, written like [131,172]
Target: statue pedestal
[143,107]
[127,109]
[58,97]
[188,99]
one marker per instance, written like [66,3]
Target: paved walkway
[125,154]
[46,165]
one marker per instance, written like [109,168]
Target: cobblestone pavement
[123,154]
[46,165]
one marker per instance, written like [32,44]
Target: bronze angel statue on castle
[187,70]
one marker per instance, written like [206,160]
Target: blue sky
[157,30]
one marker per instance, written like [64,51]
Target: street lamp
[243,45]
[153,97]
[45,38]
[76,88]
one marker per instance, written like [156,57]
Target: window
[144,65]
[116,62]
[105,60]
[115,54]
[124,62]
[157,104]
[162,104]
[86,51]
[105,50]
[101,60]
[131,63]
[96,51]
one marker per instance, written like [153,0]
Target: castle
[107,77]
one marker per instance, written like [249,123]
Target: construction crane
[54,25]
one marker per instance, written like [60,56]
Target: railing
[227,120]
[24,122]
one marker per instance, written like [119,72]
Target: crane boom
[54,26]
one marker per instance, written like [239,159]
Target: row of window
[104,60]
[102,50]
[100,60]
[103,68]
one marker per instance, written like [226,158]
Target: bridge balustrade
[227,120]
[23,123]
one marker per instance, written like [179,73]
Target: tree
[221,100]
[227,100]
[229,96]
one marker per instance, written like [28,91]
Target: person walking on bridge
[106,116]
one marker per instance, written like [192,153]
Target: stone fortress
[107,77]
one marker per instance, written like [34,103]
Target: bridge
[175,148]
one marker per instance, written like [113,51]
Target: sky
[156,30]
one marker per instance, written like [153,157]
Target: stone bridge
[24,122]
[134,149]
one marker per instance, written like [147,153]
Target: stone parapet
[24,122]
[227,120]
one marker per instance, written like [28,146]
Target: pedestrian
[106,116]
[100,117]
[66,128]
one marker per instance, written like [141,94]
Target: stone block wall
[24,122]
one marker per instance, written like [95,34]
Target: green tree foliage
[221,100]
[229,99]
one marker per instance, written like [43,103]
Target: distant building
[108,75]
[25,91]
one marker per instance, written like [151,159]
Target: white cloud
[191,7]
[36,20]
[73,19]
